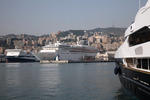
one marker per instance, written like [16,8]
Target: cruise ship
[61,51]
[18,55]
[133,56]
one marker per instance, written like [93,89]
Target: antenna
[139,4]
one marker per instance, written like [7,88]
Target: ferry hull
[135,81]
[20,59]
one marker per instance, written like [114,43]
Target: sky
[46,16]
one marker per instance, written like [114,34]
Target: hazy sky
[46,16]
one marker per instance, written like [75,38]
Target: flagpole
[139,4]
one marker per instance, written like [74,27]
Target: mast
[139,4]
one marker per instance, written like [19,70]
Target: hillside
[105,31]
[110,30]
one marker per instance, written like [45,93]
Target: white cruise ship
[18,55]
[59,51]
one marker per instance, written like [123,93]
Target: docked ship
[18,55]
[61,51]
[133,56]
[48,52]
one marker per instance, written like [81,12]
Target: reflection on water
[34,81]
[123,94]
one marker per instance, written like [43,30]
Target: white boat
[133,56]
[18,55]
[62,51]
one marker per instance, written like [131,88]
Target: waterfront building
[1,50]
[102,56]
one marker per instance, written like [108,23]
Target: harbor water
[78,81]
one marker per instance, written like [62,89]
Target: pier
[53,61]
[66,61]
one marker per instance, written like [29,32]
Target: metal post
[141,63]
[148,64]
[133,62]
[136,61]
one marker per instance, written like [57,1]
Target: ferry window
[141,36]
[144,63]
[139,63]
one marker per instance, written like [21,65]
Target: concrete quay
[53,61]
[66,61]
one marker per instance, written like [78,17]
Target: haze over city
[46,16]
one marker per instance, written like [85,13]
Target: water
[34,81]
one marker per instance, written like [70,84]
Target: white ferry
[18,55]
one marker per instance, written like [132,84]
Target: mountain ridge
[117,31]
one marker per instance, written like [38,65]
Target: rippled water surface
[34,81]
